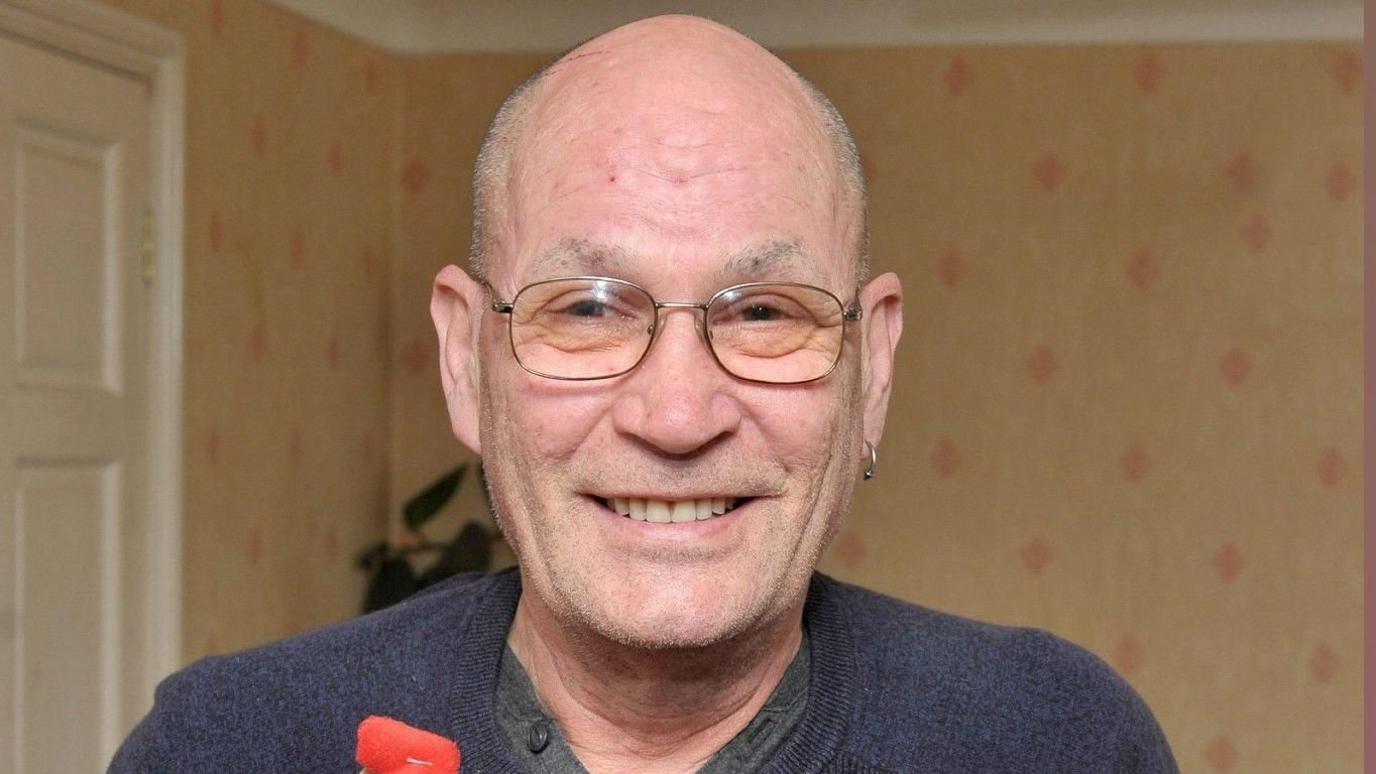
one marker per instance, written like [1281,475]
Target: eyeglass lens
[597,328]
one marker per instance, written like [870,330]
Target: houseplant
[393,565]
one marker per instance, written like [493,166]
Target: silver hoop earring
[874,461]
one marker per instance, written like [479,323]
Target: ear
[457,305]
[882,300]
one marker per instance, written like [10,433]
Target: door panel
[66,331]
[68,606]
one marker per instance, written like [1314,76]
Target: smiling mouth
[671,511]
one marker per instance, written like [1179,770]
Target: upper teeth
[666,511]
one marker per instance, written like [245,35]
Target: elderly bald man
[675,368]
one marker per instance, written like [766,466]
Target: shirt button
[539,736]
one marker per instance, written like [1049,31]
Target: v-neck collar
[476,657]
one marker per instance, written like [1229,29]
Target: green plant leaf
[424,506]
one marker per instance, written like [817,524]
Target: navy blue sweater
[894,688]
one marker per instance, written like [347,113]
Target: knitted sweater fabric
[894,687]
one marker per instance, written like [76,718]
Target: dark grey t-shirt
[535,738]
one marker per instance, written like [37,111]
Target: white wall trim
[114,39]
[452,26]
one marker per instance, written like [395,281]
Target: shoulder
[293,699]
[402,640]
[904,642]
[979,693]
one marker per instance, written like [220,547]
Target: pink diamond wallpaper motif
[1241,171]
[1148,73]
[957,76]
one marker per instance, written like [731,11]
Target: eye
[761,308]
[588,308]
[590,305]
[760,313]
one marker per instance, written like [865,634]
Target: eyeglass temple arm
[500,307]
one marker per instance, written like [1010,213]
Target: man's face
[682,190]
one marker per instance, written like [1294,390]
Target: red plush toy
[387,746]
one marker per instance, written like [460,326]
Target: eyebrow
[580,256]
[778,259]
[774,260]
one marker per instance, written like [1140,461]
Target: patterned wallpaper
[288,246]
[446,103]
[1129,404]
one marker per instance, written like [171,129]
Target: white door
[74,172]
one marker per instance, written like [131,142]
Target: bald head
[680,83]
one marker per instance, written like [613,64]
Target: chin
[669,632]
[671,616]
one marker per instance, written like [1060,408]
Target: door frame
[88,30]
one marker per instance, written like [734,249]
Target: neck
[625,709]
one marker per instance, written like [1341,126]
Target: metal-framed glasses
[584,328]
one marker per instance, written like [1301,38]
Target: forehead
[721,176]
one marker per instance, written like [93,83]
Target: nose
[679,400]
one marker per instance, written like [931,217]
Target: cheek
[538,420]
[801,427]
[554,426]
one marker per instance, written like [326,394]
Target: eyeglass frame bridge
[852,313]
